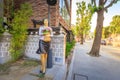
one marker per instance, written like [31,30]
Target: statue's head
[46,22]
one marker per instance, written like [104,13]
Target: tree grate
[80,77]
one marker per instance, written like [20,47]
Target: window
[63,11]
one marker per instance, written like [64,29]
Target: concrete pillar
[58,45]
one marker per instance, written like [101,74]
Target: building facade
[60,14]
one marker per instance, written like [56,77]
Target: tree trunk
[96,44]
[81,42]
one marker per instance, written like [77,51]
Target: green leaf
[19,30]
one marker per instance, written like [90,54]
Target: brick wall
[40,11]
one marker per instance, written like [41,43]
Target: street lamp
[50,3]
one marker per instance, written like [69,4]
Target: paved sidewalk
[85,67]
[57,72]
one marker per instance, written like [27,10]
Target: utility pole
[48,15]
[50,3]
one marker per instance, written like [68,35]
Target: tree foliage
[84,15]
[1,27]
[9,9]
[115,24]
[100,6]
[1,18]
[113,28]
[19,30]
[106,32]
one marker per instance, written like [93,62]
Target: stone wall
[4,47]
[32,46]
[57,45]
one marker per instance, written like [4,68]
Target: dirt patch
[18,69]
[68,61]
[15,71]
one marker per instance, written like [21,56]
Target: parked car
[103,42]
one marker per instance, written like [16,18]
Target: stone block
[4,48]
[57,46]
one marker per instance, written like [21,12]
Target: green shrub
[19,30]
[5,68]
[30,63]
[1,18]
[69,46]
[1,28]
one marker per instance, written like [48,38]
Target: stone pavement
[57,72]
[85,67]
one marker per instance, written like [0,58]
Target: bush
[1,28]
[69,46]
[30,63]
[4,68]
[19,31]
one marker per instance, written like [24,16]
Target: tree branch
[105,1]
[111,3]
[94,1]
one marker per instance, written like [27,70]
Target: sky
[112,11]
